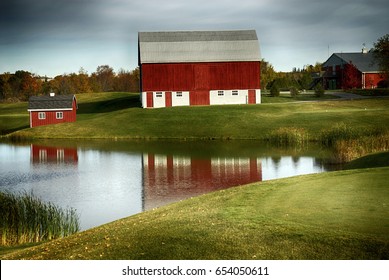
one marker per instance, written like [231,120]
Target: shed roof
[364,62]
[198,46]
[64,102]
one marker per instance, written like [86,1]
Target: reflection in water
[44,154]
[116,180]
[168,178]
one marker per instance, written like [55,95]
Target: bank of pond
[164,172]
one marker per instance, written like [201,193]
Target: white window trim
[41,115]
[59,115]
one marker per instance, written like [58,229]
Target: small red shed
[52,109]
[185,68]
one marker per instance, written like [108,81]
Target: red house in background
[52,109]
[184,68]
[352,70]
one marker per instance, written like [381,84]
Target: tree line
[301,79]
[19,86]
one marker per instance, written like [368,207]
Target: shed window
[179,94]
[59,115]
[158,94]
[234,92]
[41,115]
[220,93]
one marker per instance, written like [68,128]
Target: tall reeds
[25,219]
[289,136]
[350,143]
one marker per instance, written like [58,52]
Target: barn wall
[200,76]
[371,80]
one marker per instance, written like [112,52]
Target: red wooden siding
[200,76]
[199,97]
[372,79]
[168,99]
[51,118]
[251,96]
[150,102]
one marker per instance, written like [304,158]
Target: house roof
[64,102]
[198,46]
[364,62]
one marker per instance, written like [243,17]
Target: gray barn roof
[198,46]
[364,62]
[63,102]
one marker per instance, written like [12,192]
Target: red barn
[185,68]
[352,70]
[52,109]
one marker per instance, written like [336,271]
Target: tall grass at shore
[26,219]
[350,143]
[286,136]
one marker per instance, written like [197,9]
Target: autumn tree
[381,54]
[5,88]
[104,76]
[268,74]
[81,81]
[351,78]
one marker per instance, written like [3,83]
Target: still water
[106,181]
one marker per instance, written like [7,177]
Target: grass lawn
[13,117]
[334,215]
[118,115]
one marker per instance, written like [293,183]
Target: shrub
[274,90]
[319,90]
[294,92]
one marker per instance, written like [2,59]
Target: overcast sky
[53,37]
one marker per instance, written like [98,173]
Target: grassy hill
[118,115]
[335,215]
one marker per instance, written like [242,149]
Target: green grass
[369,161]
[335,215]
[13,117]
[118,115]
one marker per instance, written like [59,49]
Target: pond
[105,181]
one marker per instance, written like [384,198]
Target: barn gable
[184,68]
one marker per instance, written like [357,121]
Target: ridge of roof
[51,102]
[193,36]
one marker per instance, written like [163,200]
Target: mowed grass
[335,215]
[13,117]
[118,115]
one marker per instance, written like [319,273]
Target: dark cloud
[291,32]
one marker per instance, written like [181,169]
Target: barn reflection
[60,155]
[169,178]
